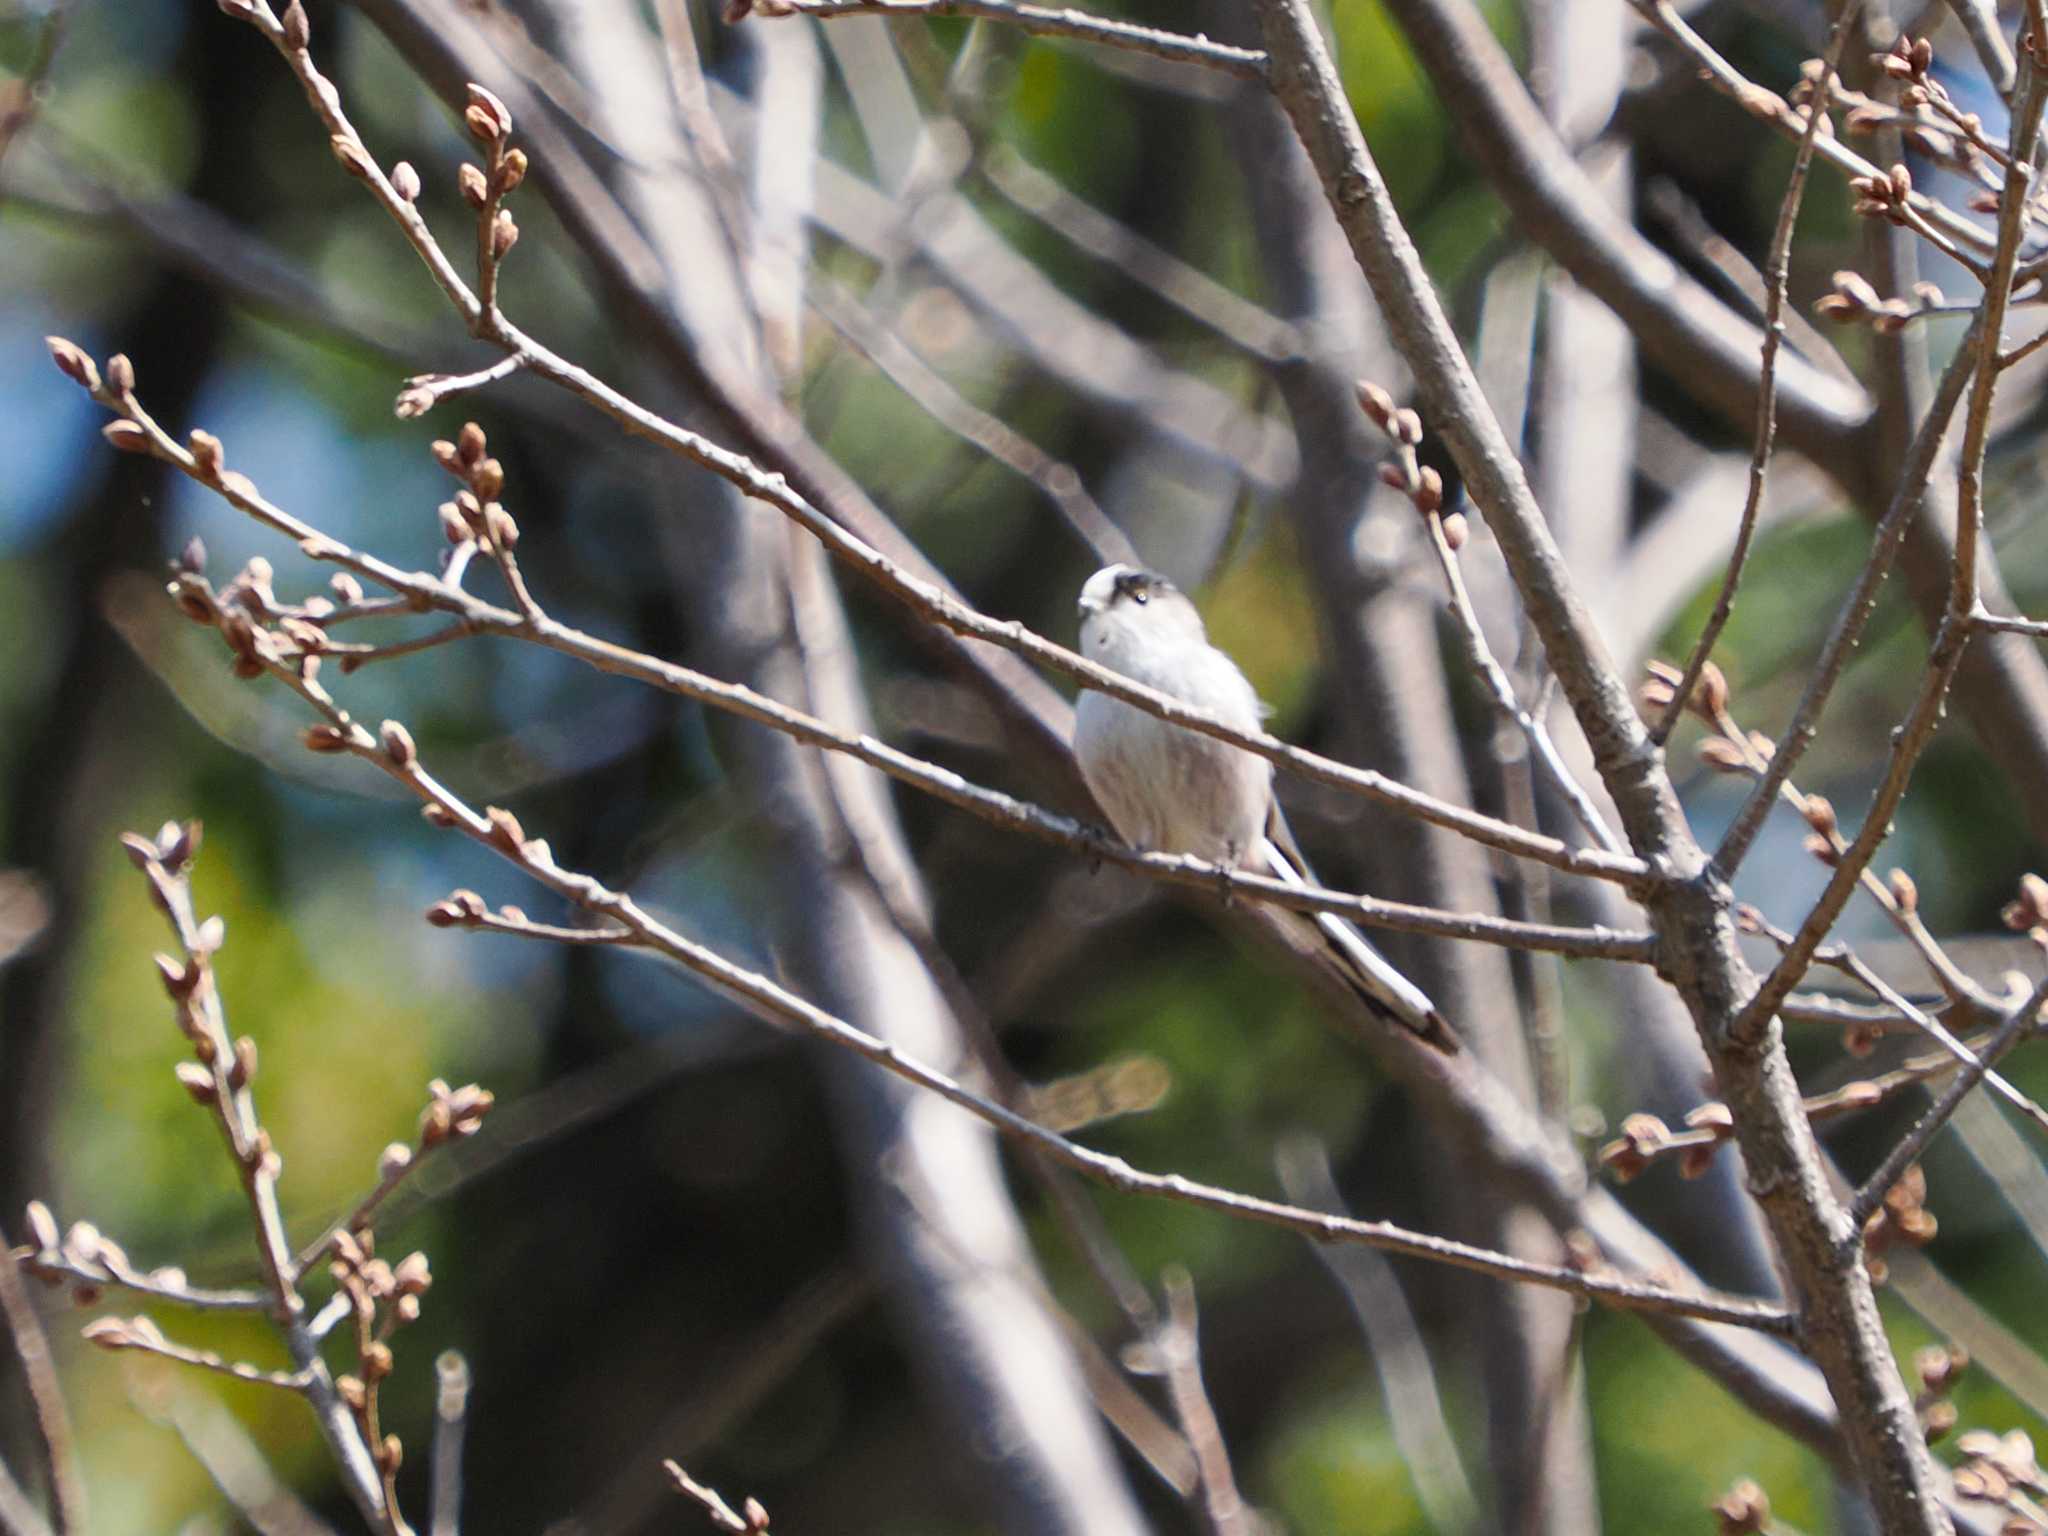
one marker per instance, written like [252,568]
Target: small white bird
[1171,790]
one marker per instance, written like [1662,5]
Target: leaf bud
[73,363]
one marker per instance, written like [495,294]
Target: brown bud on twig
[73,363]
[486,102]
[437,815]
[504,234]
[42,1226]
[1905,894]
[405,181]
[298,32]
[481,125]
[120,374]
[352,1392]
[1742,1511]
[470,180]
[454,526]
[324,738]
[1760,101]
[470,443]
[412,1276]
[447,914]
[1819,813]
[397,743]
[242,1070]
[206,453]
[2030,910]
[1696,1162]
[127,437]
[1642,1137]
[511,171]
[1659,688]
[1710,698]
[1714,1116]
[413,401]
[197,1081]
[1429,491]
[503,530]
[391,1455]
[1377,404]
[353,157]
[1938,1366]
[506,832]
[1457,531]
[178,978]
[1723,756]
[487,479]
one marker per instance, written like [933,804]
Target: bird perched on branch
[1167,789]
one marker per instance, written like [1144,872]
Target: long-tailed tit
[1171,790]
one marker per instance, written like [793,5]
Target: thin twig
[1541,747]
[720,1513]
[1187,288]
[105,1268]
[535,625]
[1947,229]
[1178,1348]
[392,752]
[1399,1353]
[1857,607]
[24,94]
[140,1333]
[451,1420]
[1040,21]
[1979,19]
[1777,274]
[1952,638]
[202,1015]
[1058,481]
[923,598]
[2037,628]
[219,1443]
[45,1394]
[1910,1146]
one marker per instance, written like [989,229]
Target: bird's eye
[1140,596]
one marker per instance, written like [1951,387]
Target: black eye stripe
[1138,585]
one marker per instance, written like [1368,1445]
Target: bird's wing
[1372,973]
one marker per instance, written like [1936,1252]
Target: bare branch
[1777,272]
[1038,20]
[498,830]
[45,1393]
[1909,1148]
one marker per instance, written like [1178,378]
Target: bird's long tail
[1374,975]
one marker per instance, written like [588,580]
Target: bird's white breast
[1165,788]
